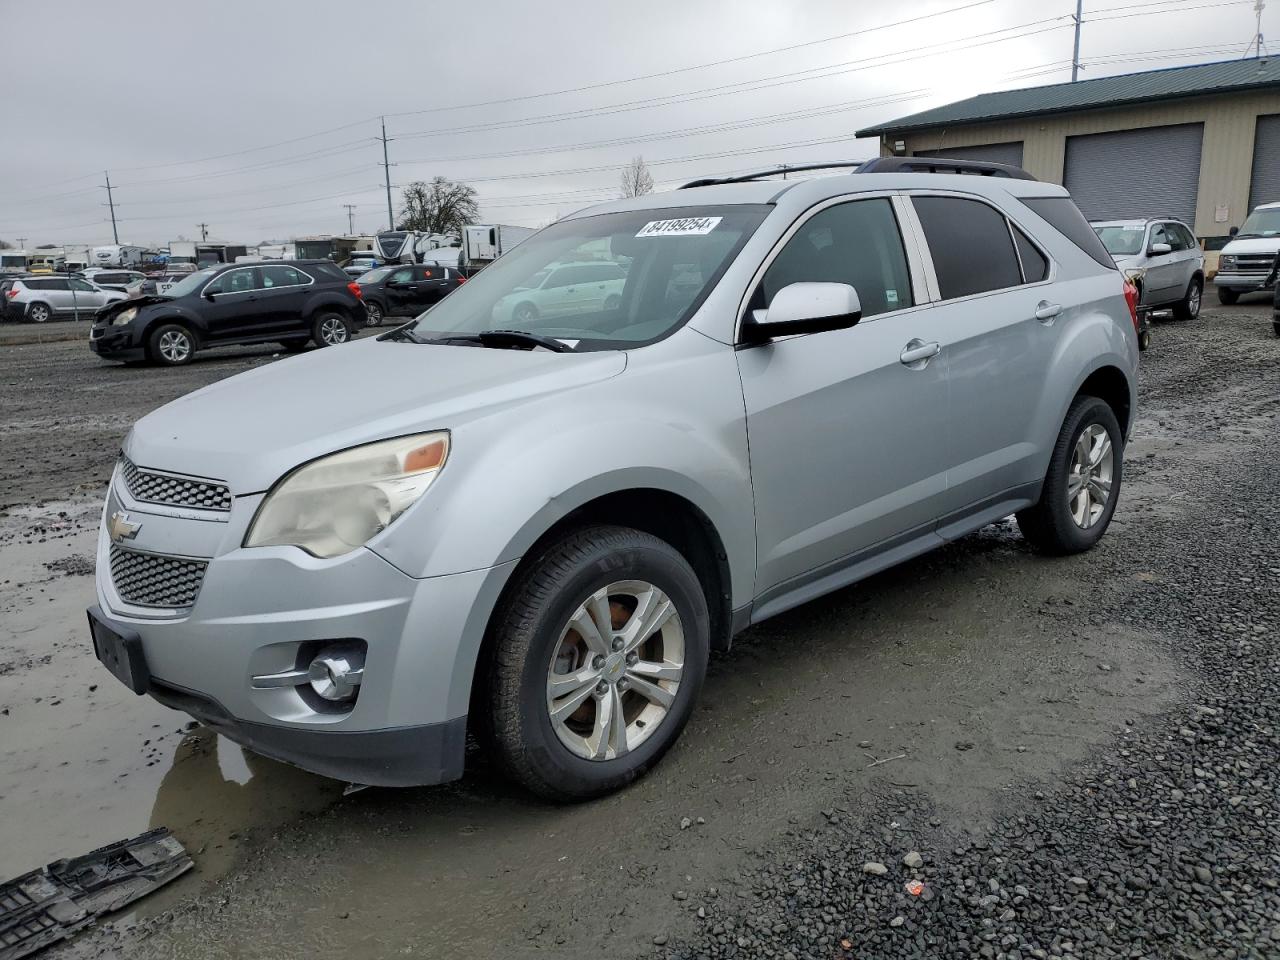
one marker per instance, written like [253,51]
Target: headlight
[124,316]
[1228,261]
[338,503]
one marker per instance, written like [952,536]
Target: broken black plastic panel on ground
[45,906]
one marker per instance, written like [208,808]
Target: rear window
[327,271]
[970,244]
[1065,217]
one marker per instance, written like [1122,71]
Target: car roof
[1268,206]
[1134,223]
[815,189]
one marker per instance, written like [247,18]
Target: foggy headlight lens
[124,316]
[339,503]
[1227,261]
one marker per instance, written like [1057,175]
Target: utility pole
[22,242]
[1075,56]
[386,170]
[351,219]
[204,230]
[115,236]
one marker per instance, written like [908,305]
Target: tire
[1188,308]
[39,313]
[294,346]
[1144,340]
[374,314]
[524,312]
[1053,525]
[533,637]
[1227,296]
[171,345]
[330,329]
[1275,327]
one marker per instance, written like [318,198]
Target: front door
[401,290]
[1163,277]
[232,305]
[88,298]
[847,431]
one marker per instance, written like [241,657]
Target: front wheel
[600,652]
[1227,296]
[1144,340]
[171,345]
[1188,308]
[374,314]
[330,329]
[1082,485]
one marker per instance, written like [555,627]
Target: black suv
[294,303]
[405,290]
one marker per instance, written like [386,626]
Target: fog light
[336,672]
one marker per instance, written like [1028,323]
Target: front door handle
[917,353]
[1047,312]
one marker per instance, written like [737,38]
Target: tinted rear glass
[1034,266]
[970,243]
[1065,217]
[326,271]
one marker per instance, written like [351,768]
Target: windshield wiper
[404,333]
[520,338]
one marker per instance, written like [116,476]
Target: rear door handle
[1047,312]
[919,352]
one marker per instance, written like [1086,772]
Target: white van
[1246,262]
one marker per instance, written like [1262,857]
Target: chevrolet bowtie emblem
[121,527]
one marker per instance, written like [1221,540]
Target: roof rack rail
[982,168]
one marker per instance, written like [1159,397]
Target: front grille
[1250,263]
[173,490]
[152,580]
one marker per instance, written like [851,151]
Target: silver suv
[538,532]
[1162,259]
[40,299]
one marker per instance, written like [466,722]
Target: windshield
[1121,241]
[1261,223]
[373,276]
[190,283]
[616,280]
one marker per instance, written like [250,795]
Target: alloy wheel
[615,671]
[1193,301]
[39,313]
[1089,481]
[374,313]
[174,346]
[333,330]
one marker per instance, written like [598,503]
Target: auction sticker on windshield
[684,227]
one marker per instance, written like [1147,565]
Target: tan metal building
[1199,143]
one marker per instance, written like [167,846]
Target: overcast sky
[189,108]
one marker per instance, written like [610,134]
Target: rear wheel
[600,652]
[39,313]
[1082,485]
[1188,308]
[1228,296]
[1144,340]
[330,329]
[171,344]
[524,313]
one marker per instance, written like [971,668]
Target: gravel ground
[1166,844]
[1095,736]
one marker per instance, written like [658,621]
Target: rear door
[998,321]
[57,294]
[848,439]
[283,294]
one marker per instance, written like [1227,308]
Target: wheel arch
[197,334]
[1111,385]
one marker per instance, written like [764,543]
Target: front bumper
[116,343]
[255,611]
[1243,282]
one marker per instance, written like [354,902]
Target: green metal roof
[1176,82]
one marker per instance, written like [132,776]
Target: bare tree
[440,206]
[636,179]
[5,245]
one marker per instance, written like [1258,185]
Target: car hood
[1253,245]
[251,429]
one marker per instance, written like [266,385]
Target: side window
[56,285]
[1034,266]
[83,286]
[857,243]
[561,278]
[401,276]
[1158,235]
[1181,237]
[279,276]
[970,244]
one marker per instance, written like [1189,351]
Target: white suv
[1246,261]
[40,299]
[1161,258]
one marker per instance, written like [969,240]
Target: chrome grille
[174,490]
[152,580]
[1247,261]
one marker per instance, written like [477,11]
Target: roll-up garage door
[1266,162]
[989,152]
[1136,173]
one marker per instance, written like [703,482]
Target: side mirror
[210,294]
[1233,231]
[804,308]
[1157,249]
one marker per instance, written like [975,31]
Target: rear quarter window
[327,271]
[1065,217]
